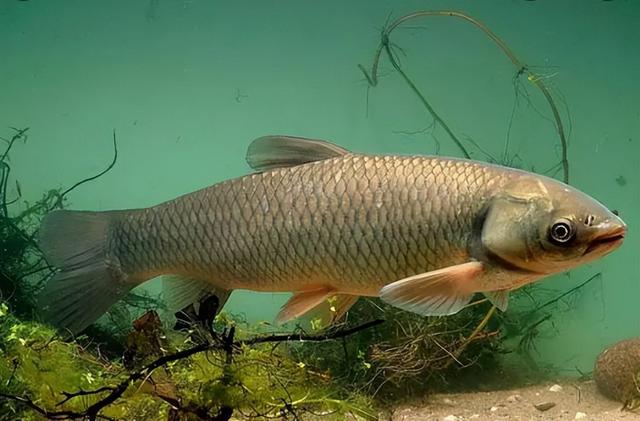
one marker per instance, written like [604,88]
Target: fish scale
[288,228]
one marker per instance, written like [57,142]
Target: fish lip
[610,239]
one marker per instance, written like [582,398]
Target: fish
[423,233]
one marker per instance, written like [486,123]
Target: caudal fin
[86,286]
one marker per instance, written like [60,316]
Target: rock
[474,416]
[544,406]
[580,415]
[555,388]
[514,398]
[617,370]
[448,401]
[450,418]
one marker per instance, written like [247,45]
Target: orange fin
[330,310]
[500,299]
[437,293]
[302,302]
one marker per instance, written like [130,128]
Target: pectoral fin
[437,293]
[499,299]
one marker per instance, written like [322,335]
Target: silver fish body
[342,225]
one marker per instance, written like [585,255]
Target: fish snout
[609,236]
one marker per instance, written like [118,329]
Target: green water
[187,84]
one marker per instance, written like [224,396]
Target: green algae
[36,364]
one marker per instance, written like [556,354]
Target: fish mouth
[608,241]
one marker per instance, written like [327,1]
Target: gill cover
[511,226]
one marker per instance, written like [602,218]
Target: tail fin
[87,284]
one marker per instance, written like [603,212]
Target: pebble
[450,418]
[555,388]
[448,401]
[580,415]
[514,398]
[474,416]
[544,406]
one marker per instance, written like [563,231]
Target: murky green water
[187,84]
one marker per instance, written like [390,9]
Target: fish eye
[561,232]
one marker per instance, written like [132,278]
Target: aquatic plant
[23,268]
[16,236]
[522,69]
[409,354]
[189,377]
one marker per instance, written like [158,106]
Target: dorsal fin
[270,152]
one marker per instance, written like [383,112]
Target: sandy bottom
[577,400]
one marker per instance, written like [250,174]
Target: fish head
[540,225]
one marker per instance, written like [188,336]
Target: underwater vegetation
[19,250]
[393,52]
[23,268]
[190,378]
[138,369]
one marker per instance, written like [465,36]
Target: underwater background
[187,84]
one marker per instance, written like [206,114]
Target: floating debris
[621,180]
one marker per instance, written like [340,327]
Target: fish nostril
[589,219]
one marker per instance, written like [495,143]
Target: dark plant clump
[408,355]
[23,268]
[20,255]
